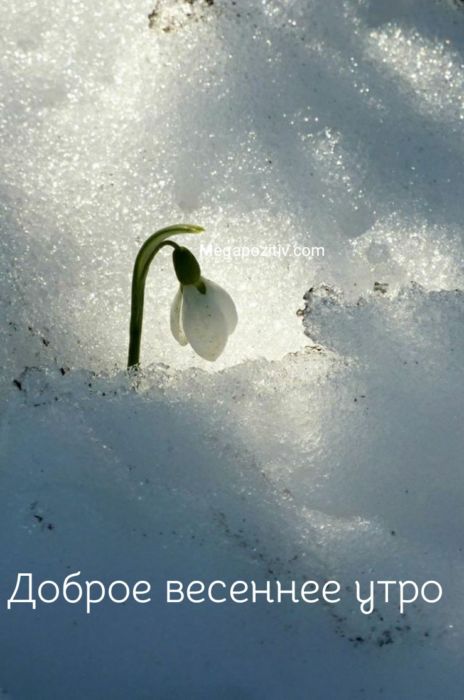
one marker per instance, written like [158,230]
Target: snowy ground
[326,444]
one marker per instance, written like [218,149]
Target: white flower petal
[204,322]
[175,319]
[226,303]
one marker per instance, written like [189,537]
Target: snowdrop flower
[202,313]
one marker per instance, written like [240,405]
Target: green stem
[142,264]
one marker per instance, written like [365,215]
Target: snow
[323,444]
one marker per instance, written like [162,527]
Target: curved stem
[142,264]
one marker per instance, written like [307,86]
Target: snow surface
[323,444]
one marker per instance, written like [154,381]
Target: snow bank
[330,449]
